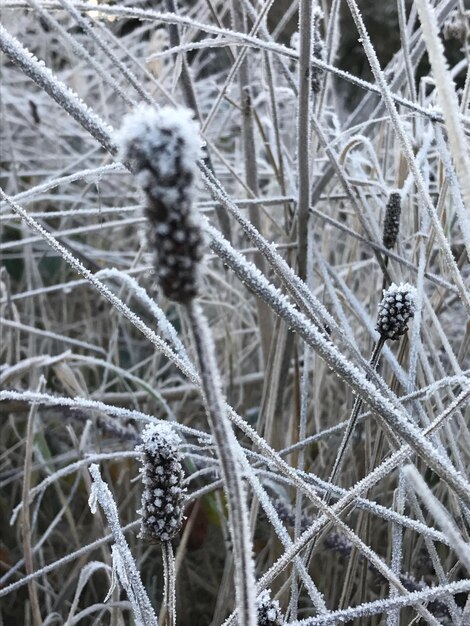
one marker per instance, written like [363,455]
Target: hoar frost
[269,611]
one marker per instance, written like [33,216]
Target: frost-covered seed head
[269,611]
[392,220]
[162,476]
[318,50]
[395,310]
[163,148]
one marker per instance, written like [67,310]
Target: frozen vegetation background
[316,453]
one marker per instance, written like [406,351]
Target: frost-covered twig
[123,562]
[440,514]
[303,130]
[102,289]
[228,451]
[381,606]
[369,393]
[81,52]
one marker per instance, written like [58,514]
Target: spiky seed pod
[163,148]
[392,220]
[162,476]
[269,611]
[395,310]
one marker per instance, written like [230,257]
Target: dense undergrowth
[332,465]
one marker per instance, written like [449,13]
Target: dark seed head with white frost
[395,310]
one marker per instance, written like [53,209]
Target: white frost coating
[114,577]
[284,537]
[104,291]
[408,151]
[389,410]
[404,289]
[148,126]
[163,148]
[163,497]
[269,611]
[165,431]
[88,175]
[205,440]
[382,606]
[123,562]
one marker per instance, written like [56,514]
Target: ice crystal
[162,476]
[269,611]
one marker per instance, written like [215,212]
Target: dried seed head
[162,475]
[269,611]
[395,310]
[318,50]
[163,148]
[392,220]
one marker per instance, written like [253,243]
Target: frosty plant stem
[352,422]
[395,309]
[227,448]
[123,563]
[169,592]
[163,148]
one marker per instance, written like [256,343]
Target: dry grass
[90,350]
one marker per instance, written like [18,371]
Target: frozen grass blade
[440,514]
[447,96]
[123,562]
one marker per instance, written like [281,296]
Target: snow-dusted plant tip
[162,476]
[269,611]
[163,148]
[395,310]
[318,50]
